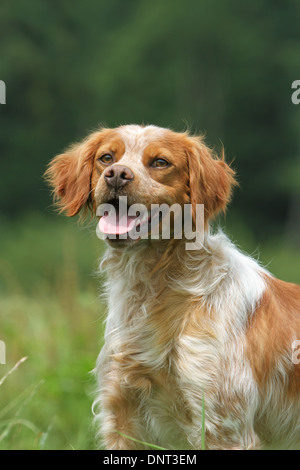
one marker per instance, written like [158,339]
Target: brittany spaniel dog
[186,331]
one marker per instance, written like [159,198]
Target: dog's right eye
[106,159]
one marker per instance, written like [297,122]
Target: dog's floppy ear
[210,179]
[70,173]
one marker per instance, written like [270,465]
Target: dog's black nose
[117,176]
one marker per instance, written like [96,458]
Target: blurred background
[224,69]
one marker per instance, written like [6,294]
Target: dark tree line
[224,68]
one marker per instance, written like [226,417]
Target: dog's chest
[162,341]
[166,351]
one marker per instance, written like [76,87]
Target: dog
[200,338]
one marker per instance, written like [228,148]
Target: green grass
[61,345]
[203,422]
[50,314]
[145,444]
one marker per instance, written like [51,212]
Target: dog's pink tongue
[113,225]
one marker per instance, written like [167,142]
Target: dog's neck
[148,257]
[152,263]
[148,268]
[153,290]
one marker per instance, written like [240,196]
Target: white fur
[220,277]
[136,138]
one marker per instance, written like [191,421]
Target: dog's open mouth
[121,221]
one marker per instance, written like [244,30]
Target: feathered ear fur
[70,175]
[210,179]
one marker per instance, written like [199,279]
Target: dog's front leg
[227,439]
[120,423]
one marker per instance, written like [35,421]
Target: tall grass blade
[203,422]
[153,446]
[15,367]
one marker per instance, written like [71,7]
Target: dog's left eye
[160,163]
[107,159]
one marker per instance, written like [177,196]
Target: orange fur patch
[272,329]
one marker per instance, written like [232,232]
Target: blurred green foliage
[223,68]
[50,314]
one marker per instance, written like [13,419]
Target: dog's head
[147,164]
